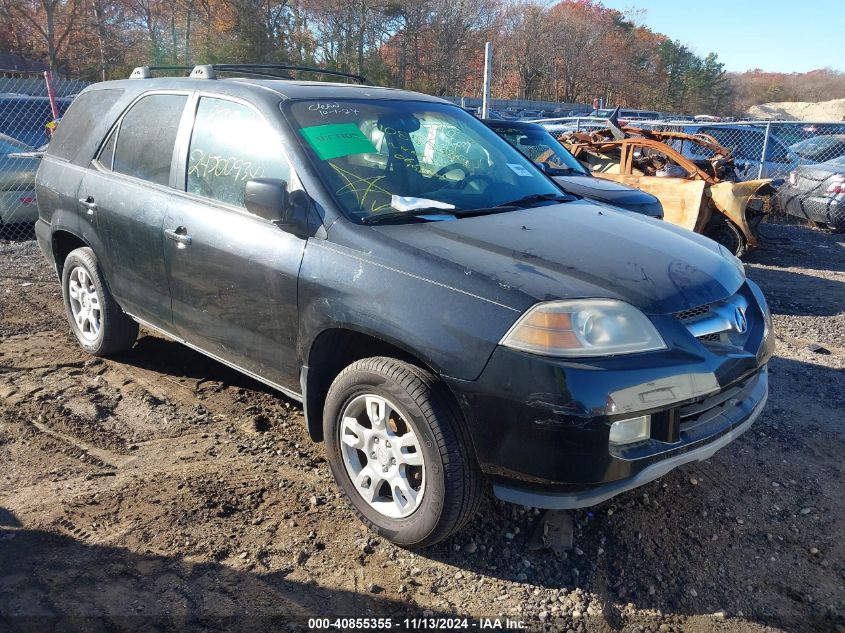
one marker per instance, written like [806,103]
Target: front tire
[100,326]
[722,230]
[398,448]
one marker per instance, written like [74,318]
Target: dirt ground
[162,491]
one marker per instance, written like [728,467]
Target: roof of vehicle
[821,138]
[271,88]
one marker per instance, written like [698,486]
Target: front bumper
[732,421]
[826,209]
[540,426]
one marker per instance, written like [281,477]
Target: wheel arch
[62,243]
[330,352]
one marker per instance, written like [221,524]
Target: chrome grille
[712,322]
[710,338]
[693,314]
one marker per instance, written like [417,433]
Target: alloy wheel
[382,456]
[84,303]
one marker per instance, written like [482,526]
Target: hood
[612,193]
[566,251]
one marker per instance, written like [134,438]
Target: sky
[774,35]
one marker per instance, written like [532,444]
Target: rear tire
[398,447]
[100,326]
[722,230]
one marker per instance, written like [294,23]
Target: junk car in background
[18,164]
[701,195]
[544,149]
[817,192]
[25,118]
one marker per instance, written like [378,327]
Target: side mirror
[267,198]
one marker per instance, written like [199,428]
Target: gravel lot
[161,489]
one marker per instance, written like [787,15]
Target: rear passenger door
[233,275]
[126,194]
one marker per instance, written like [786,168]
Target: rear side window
[745,144]
[146,137]
[106,154]
[85,113]
[230,145]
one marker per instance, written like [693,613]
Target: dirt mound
[833,110]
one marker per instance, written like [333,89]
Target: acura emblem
[740,321]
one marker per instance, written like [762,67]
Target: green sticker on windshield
[339,139]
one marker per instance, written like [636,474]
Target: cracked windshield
[411,160]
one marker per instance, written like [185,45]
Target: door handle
[178,235]
[89,204]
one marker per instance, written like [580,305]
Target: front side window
[648,161]
[743,143]
[396,156]
[147,136]
[230,145]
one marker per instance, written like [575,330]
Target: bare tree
[53,21]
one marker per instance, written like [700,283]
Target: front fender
[452,331]
[731,198]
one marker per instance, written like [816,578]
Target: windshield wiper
[536,197]
[381,218]
[564,171]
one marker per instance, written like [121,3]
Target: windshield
[818,145]
[384,157]
[541,147]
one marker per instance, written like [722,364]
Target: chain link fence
[809,157]
[25,117]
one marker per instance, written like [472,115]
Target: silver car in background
[18,164]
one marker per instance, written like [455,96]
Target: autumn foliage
[571,51]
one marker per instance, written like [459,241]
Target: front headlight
[583,327]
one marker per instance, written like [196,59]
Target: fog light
[630,431]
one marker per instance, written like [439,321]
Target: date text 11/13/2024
[416,624]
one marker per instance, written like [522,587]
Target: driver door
[233,276]
[681,197]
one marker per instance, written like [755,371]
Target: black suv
[446,314]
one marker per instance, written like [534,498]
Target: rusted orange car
[699,195]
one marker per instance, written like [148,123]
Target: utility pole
[488,71]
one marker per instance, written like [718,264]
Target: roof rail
[272,71]
[204,71]
[145,72]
